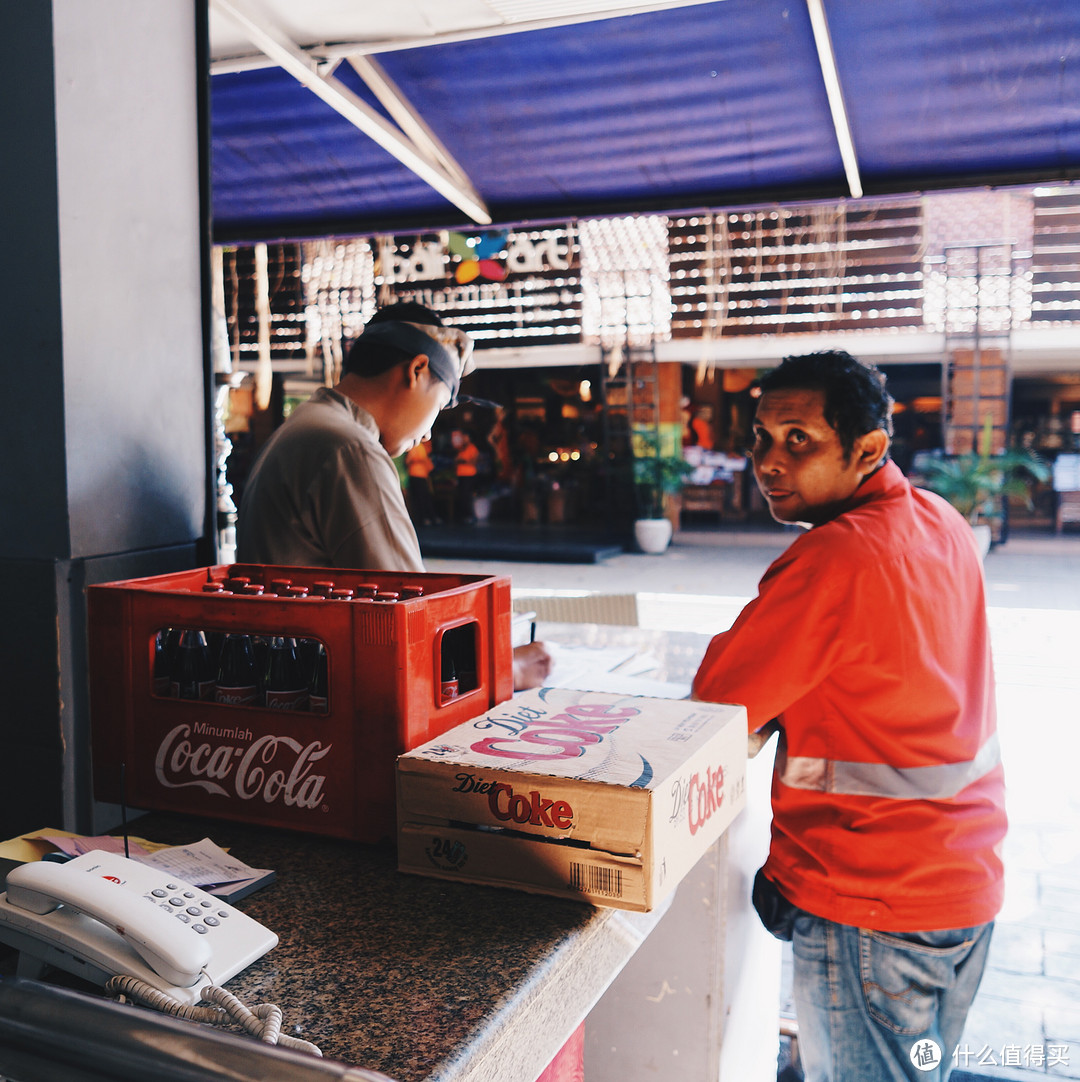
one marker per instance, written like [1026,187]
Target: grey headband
[448,350]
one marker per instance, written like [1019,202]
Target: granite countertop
[427,980]
[417,978]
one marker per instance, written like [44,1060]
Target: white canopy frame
[426,158]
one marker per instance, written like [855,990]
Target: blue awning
[712,105]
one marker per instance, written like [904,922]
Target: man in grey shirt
[324,491]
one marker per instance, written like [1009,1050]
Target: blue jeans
[872,1006]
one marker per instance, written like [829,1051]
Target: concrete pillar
[103,447]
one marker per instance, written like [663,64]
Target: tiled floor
[1026,1021]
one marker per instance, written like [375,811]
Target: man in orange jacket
[868,647]
[419,467]
[466,457]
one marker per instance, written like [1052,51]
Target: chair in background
[579,608]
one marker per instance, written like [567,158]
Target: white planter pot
[982,538]
[653,535]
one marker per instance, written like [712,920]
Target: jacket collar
[885,480]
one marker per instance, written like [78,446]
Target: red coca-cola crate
[326,773]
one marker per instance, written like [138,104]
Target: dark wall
[103,445]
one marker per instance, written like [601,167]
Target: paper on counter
[578,662]
[77,844]
[627,685]
[204,864]
[638,665]
[612,669]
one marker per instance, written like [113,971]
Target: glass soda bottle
[449,686]
[237,679]
[165,643]
[286,688]
[318,698]
[306,649]
[192,673]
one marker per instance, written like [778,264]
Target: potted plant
[656,476]
[978,483]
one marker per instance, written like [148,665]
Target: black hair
[374,358]
[856,401]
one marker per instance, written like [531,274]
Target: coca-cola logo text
[704,797]
[534,809]
[275,768]
[536,734]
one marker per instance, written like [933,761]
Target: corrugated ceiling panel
[704,106]
[663,107]
[953,88]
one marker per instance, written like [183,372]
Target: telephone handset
[101,914]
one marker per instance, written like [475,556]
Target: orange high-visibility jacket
[418,461]
[869,641]
[465,460]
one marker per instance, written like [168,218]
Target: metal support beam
[827,60]
[583,12]
[289,56]
[407,118]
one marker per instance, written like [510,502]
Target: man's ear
[871,449]
[414,368]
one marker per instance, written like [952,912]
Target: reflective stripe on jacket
[868,640]
[939,782]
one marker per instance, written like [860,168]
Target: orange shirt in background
[418,461]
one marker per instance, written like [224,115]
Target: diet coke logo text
[535,734]
[505,805]
[704,797]
[271,767]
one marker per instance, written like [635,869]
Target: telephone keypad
[186,905]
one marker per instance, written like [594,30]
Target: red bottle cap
[386,595]
[341,595]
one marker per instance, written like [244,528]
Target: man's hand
[532,663]
[759,739]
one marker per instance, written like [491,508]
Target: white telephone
[101,914]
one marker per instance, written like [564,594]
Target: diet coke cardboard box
[606,798]
[283,695]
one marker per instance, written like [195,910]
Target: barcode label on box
[593,879]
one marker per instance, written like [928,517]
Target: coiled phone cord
[262,1021]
